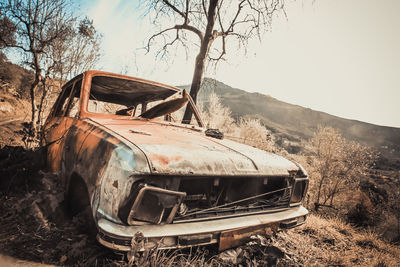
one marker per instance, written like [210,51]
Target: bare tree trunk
[33,107]
[34,87]
[334,191]
[42,98]
[316,204]
[398,227]
[196,85]
[201,59]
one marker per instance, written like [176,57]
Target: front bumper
[228,232]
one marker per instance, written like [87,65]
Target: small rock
[63,258]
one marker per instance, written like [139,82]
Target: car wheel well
[77,195]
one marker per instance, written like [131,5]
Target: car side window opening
[72,108]
[62,101]
[68,102]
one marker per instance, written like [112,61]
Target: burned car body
[169,181]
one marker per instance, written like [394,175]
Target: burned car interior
[135,99]
[117,143]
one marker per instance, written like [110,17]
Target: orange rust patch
[163,160]
[92,142]
[56,133]
[96,136]
[83,131]
[113,140]
[237,237]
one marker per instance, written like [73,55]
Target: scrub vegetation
[51,42]
[245,130]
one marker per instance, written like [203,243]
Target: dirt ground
[34,227]
[33,223]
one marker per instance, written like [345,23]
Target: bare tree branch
[42,29]
[175,9]
[223,51]
[203,4]
[209,20]
[239,10]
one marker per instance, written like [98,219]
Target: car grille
[209,198]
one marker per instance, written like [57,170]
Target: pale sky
[337,56]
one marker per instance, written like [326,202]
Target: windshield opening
[137,99]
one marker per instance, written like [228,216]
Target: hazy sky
[337,56]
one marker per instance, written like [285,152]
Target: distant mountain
[293,123]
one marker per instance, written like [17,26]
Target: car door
[63,115]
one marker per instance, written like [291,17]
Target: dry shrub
[154,257]
[322,242]
[336,165]
[247,130]
[217,116]
[16,76]
[252,132]
[359,208]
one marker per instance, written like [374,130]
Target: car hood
[172,149]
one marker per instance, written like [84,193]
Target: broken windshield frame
[128,93]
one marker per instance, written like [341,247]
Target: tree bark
[317,204]
[34,85]
[42,98]
[32,95]
[201,59]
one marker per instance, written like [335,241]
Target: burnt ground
[34,224]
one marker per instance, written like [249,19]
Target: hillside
[293,123]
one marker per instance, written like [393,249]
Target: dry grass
[322,242]
[197,257]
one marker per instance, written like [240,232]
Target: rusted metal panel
[106,164]
[56,129]
[176,150]
[237,237]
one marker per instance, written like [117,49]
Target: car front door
[62,116]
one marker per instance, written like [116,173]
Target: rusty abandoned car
[122,152]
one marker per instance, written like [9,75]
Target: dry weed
[322,242]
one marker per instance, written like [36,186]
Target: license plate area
[240,236]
